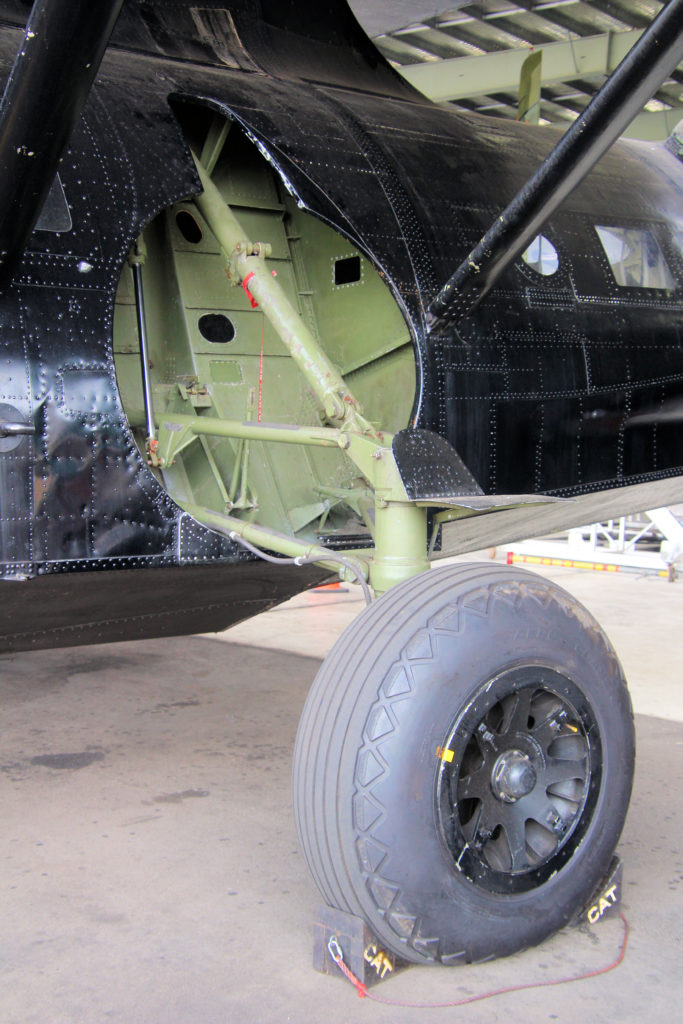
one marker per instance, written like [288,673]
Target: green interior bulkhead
[211,355]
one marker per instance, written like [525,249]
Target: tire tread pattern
[335,715]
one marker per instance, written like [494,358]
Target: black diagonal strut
[649,63]
[47,88]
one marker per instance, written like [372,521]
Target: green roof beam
[499,72]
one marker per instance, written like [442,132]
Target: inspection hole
[347,271]
[217,328]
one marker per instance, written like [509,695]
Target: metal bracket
[16,429]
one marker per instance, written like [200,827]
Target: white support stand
[649,542]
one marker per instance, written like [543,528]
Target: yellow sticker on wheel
[444,754]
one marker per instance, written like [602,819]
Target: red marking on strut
[245,285]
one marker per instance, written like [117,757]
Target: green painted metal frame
[400,526]
[245,264]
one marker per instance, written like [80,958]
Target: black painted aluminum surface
[652,59]
[49,83]
[567,385]
[430,467]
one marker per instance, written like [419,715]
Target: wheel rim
[519,779]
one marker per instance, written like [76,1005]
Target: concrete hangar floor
[151,870]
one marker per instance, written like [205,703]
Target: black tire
[495,669]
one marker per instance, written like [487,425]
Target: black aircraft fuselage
[222,266]
[566,381]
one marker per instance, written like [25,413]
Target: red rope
[364,991]
[260,368]
[361,989]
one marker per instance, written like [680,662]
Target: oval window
[188,226]
[542,256]
[217,328]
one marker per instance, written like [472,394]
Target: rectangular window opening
[347,271]
[635,258]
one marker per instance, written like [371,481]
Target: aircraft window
[216,328]
[542,256]
[188,227]
[55,215]
[635,258]
[347,271]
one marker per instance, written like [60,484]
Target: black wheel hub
[518,789]
[513,776]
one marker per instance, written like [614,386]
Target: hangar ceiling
[471,54]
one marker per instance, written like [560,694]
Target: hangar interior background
[471,54]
